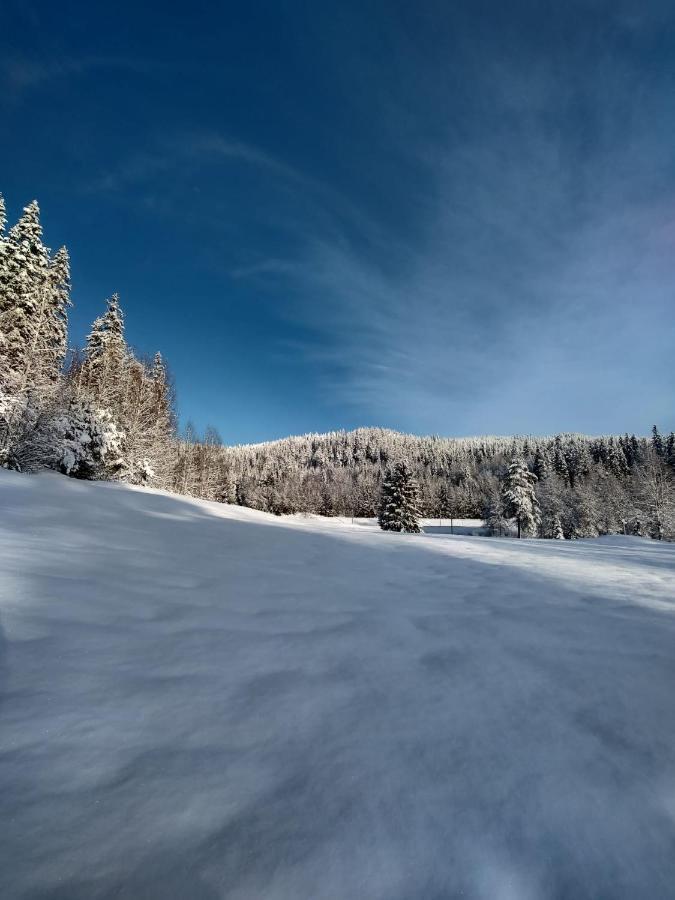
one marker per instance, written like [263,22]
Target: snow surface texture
[201,701]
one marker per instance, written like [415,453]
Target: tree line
[105,411]
[580,486]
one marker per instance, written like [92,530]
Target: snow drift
[204,701]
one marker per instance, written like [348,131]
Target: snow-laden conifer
[519,497]
[25,304]
[56,325]
[399,504]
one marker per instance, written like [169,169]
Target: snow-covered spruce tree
[655,497]
[56,325]
[560,466]
[582,515]
[399,509]
[164,421]
[25,305]
[4,281]
[444,502]
[105,357]
[551,494]
[494,512]
[88,444]
[670,450]
[519,497]
[541,465]
[34,299]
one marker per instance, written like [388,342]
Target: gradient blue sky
[443,217]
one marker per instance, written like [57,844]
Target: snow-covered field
[200,701]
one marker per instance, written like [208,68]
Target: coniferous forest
[104,411]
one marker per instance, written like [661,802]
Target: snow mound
[203,701]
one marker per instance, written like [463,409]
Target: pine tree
[656,497]
[657,442]
[25,305]
[541,465]
[56,327]
[670,450]
[163,400]
[494,512]
[583,514]
[4,283]
[560,462]
[444,504]
[519,497]
[615,460]
[399,510]
[34,296]
[105,358]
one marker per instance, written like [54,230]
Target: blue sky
[451,218]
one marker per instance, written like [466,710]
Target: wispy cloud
[20,74]
[541,278]
[172,153]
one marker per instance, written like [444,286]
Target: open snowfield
[200,701]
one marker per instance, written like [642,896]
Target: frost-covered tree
[444,502]
[656,497]
[582,516]
[657,442]
[4,281]
[519,497]
[560,466]
[106,355]
[90,444]
[495,513]
[56,326]
[551,494]
[26,304]
[541,465]
[34,298]
[670,450]
[399,503]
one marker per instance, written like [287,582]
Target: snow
[203,701]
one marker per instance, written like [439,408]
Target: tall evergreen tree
[657,442]
[670,450]
[56,326]
[519,497]
[4,281]
[105,357]
[541,465]
[559,461]
[494,511]
[399,503]
[25,304]
[444,502]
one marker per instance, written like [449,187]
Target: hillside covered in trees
[105,412]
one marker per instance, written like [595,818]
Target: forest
[105,411]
